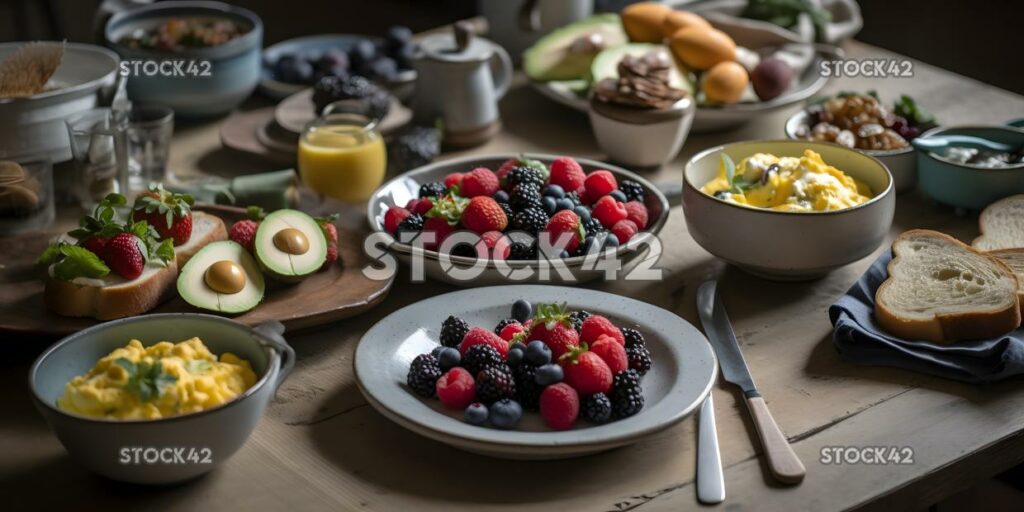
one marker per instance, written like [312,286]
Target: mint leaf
[147,381]
[165,251]
[79,262]
[730,169]
[198,366]
[50,255]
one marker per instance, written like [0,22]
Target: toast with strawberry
[171,215]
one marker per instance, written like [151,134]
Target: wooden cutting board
[327,296]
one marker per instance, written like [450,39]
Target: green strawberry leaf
[165,251]
[79,262]
[255,213]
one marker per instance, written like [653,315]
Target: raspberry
[568,174]
[624,230]
[493,245]
[586,372]
[627,396]
[332,256]
[483,214]
[479,182]
[504,328]
[423,374]
[608,211]
[243,233]
[568,222]
[637,212]
[559,406]
[330,232]
[507,167]
[596,325]
[453,179]
[453,329]
[611,352]
[456,389]
[481,336]
[599,184]
[392,218]
[597,408]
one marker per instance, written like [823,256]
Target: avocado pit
[225,276]
[291,241]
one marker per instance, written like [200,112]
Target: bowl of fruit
[478,221]
[534,372]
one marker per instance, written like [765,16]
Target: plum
[771,78]
[292,69]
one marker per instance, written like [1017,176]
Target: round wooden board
[296,111]
[339,292]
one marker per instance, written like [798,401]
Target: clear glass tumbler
[100,149]
[149,142]
[26,193]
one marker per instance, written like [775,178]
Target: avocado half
[284,266]
[551,57]
[606,64]
[192,283]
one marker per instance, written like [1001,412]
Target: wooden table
[321,447]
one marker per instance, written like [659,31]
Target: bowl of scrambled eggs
[159,398]
[787,210]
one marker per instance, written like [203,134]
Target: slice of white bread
[206,228]
[1013,258]
[112,296]
[1001,225]
[940,289]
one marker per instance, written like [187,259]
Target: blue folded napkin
[860,340]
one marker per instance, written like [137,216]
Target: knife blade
[783,463]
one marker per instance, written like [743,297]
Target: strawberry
[420,206]
[95,244]
[456,388]
[599,184]
[481,336]
[611,352]
[585,371]
[506,167]
[637,212]
[608,211]
[568,174]
[169,213]
[393,217]
[596,325]
[483,214]
[479,182]
[510,331]
[565,221]
[559,406]
[330,230]
[441,229]
[453,179]
[624,230]
[332,256]
[123,254]
[244,233]
[553,326]
[493,245]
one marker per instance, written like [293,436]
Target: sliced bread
[112,296]
[206,228]
[1014,258]
[1001,225]
[940,289]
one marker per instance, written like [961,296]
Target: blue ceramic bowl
[142,451]
[967,186]
[215,80]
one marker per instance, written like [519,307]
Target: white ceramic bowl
[902,163]
[682,375]
[648,142]
[788,245]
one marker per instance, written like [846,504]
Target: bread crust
[109,302]
[1017,254]
[184,252]
[981,239]
[950,327]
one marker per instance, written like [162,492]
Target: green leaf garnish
[165,251]
[147,381]
[730,169]
[51,254]
[198,366]
[79,262]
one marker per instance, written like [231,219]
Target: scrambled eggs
[789,184]
[166,379]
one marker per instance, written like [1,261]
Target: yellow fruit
[642,21]
[725,82]
[681,19]
[701,48]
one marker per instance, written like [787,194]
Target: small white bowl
[788,246]
[641,138]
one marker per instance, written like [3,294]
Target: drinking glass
[342,155]
[149,142]
[26,193]
[99,145]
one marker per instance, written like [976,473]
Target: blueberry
[564,254]
[521,310]
[619,196]
[555,191]
[506,413]
[582,212]
[548,374]
[475,414]
[549,204]
[448,358]
[385,68]
[515,355]
[563,204]
[610,240]
[538,353]
[589,244]
[501,196]
[293,70]
[399,35]
[362,53]
[437,350]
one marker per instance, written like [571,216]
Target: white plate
[683,372]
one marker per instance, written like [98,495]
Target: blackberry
[593,227]
[411,224]
[527,389]
[507,208]
[520,175]
[502,324]
[597,408]
[575,198]
[423,374]
[494,383]
[434,189]
[633,190]
[626,395]
[480,357]
[453,329]
[633,337]
[577,318]
[525,196]
[522,251]
[531,220]
[639,358]
[414,147]
[371,97]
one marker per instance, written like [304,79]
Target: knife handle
[782,461]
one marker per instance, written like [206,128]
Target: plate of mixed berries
[516,211]
[534,372]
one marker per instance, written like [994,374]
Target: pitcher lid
[460,46]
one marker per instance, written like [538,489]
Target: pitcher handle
[529,16]
[271,333]
[501,71]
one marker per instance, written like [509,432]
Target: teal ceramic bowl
[212,81]
[171,449]
[967,186]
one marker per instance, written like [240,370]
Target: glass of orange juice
[342,155]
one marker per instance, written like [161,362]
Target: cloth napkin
[859,339]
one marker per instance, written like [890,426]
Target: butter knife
[710,482]
[782,461]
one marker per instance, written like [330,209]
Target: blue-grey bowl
[125,450]
[967,186]
[216,79]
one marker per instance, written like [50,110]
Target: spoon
[940,143]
